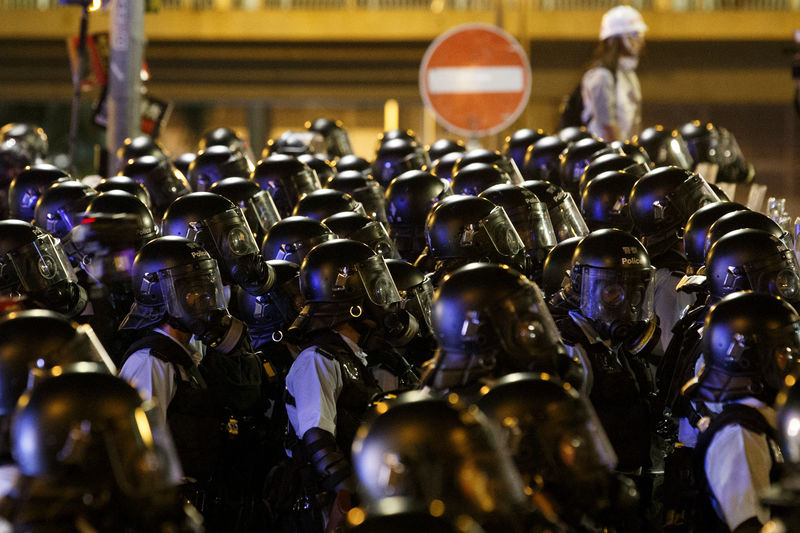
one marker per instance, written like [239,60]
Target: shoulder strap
[748,417]
[163,348]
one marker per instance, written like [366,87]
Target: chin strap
[328,460]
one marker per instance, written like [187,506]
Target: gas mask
[41,270]
[229,237]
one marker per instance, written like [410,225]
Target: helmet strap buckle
[730,278]
[737,347]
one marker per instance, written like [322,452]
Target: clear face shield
[377,281]
[609,296]
[375,236]
[533,225]
[501,233]
[419,301]
[263,210]
[526,328]
[693,194]
[371,198]
[84,348]
[192,292]
[37,266]
[339,143]
[165,184]
[567,220]
[509,166]
[305,182]
[674,152]
[295,252]
[778,275]
[230,234]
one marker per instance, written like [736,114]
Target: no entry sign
[476,79]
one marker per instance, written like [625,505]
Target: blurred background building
[266,66]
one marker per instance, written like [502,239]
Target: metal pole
[76,89]
[125,82]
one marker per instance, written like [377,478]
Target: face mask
[627,63]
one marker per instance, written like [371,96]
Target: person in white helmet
[610,88]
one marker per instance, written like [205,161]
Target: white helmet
[621,20]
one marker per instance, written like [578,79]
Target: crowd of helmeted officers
[565,335]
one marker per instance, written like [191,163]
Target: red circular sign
[476,78]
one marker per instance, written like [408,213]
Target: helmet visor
[533,225]
[375,236]
[567,220]
[371,197]
[377,281]
[263,209]
[693,194]
[305,182]
[420,301]
[608,295]
[778,275]
[582,444]
[231,234]
[501,233]
[192,290]
[41,264]
[674,152]
[509,166]
[526,326]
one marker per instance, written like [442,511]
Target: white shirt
[668,305]
[610,102]
[154,378]
[737,465]
[315,382]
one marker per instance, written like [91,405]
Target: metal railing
[449,5]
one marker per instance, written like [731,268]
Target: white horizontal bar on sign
[463,80]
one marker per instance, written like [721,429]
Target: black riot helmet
[750,342]
[710,144]
[472,228]
[361,228]
[572,134]
[292,238]
[226,137]
[751,259]
[105,245]
[743,219]
[353,162]
[491,157]
[611,161]
[34,341]
[183,161]
[489,319]
[60,206]
[269,315]
[28,186]
[443,167]
[541,159]
[531,220]
[555,438]
[365,190]
[286,179]
[163,181]
[127,184]
[516,144]
[120,202]
[605,201]
[661,203]
[216,163]
[321,165]
[257,204]
[139,146]
[177,281]
[420,450]
[396,156]
[665,148]
[573,161]
[221,228]
[694,234]
[398,133]
[557,266]
[442,147]
[91,433]
[344,281]
[409,198]
[637,153]
[612,283]
[337,142]
[30,140]
[564,213]
[35,264]
[475,178]
[323,203]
